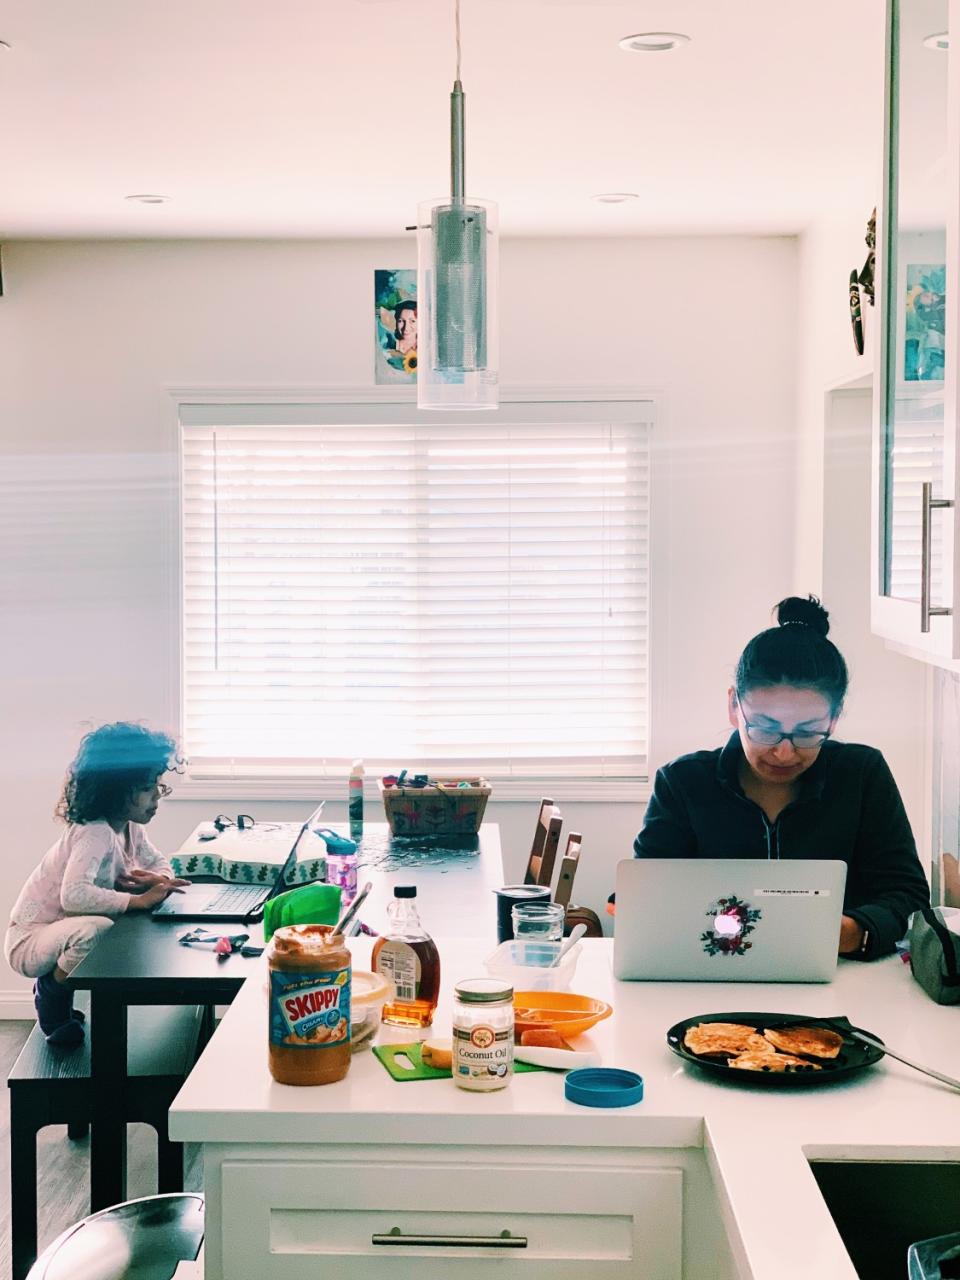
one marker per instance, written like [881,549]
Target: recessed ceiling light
[616,197]
[939,41]
[4,45]
[148,199]
[653,42]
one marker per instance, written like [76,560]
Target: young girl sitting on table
[102,865]
[783,788]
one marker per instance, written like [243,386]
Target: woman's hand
[851,935]
[138,881]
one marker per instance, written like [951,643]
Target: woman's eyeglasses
[761,737]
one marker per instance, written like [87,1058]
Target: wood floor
[62,1166]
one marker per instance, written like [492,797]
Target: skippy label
[310,1010]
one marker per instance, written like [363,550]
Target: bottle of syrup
[408,956]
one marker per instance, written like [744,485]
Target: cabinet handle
[927,504]
[503,1241]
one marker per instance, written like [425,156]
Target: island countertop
[757,1139]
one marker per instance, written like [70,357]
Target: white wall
[92,333]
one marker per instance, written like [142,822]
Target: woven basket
[441,810]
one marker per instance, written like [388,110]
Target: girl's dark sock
[54,1005]
[67,1036]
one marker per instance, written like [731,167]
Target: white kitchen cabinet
[916,484]
[423,1218]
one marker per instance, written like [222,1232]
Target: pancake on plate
[772,1062]
[724,1037]
[817,1042]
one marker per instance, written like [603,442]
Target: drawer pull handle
[503,1241]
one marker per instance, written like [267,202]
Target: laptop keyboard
[233,897]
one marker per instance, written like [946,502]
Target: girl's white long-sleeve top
[77,874]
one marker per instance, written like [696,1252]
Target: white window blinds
[417,590]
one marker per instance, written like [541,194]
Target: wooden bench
[52,1086]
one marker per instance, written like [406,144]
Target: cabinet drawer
[429,1221]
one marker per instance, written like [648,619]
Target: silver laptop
[727,920]
[218,902]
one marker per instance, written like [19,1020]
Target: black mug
[507,899]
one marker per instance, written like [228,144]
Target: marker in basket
[355,799]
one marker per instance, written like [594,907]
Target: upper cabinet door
[916,601]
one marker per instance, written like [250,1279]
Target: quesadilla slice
[724,1037]
[817,1042]
[772,1062]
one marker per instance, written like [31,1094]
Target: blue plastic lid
[603,1087]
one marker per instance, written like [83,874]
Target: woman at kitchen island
[783,788]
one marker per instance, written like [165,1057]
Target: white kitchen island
[702,1179]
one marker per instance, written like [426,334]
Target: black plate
[854,1055]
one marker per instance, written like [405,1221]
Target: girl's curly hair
[113,761]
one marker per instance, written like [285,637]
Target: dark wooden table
[140,961]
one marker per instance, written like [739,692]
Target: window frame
[281,783]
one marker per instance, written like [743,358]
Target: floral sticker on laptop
[733,920]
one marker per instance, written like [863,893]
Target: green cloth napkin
[310,904]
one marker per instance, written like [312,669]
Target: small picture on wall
[923,349]
[395,320]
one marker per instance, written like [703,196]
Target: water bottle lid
[339,846]
[405,891]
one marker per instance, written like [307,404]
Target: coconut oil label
[482,1057]
[310,1010]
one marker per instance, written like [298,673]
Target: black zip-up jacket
[848,808]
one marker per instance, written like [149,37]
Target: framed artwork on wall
[395,325]
[923,339]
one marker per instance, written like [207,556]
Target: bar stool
[143,1239]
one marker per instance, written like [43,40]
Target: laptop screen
[285,871]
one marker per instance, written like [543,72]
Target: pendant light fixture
[458,341]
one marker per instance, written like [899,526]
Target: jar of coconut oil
[482,1034]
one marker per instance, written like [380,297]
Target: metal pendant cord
[457,27]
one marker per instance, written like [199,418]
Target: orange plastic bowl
[568,1014]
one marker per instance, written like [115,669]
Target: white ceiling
[329,118]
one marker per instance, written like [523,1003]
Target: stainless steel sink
[882,1207]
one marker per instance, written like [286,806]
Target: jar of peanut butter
[309,1025]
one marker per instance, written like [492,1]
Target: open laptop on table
[727,919]
[226,903]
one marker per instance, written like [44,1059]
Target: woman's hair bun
[807,613]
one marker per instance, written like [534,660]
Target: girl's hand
[150,897]
[138,880]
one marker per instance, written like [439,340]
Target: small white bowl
[526,965]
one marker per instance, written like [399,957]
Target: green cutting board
[387,1054]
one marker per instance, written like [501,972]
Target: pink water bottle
[341,862]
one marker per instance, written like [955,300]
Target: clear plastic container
[370,993]
[528,966]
